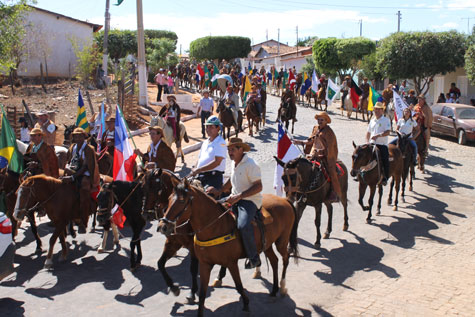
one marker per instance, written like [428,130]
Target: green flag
[372,98]
[119,2]
[215,75]
[9,154]
[286,76]
[207,76]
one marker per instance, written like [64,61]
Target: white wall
[54,33]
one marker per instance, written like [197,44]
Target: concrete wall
[53,32]
[442,84]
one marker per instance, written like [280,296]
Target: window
[447,112]
[437,108]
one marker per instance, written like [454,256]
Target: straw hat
[79,131]
[171,97]
[379,105]
[240,143]
[36,131]
[42,112]
[156,128]
[421,96]
[324,115]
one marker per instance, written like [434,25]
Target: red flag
[124,156]
[292,80]
[202,72]
[118,217]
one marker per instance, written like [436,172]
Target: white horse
[168,135]
[348,106]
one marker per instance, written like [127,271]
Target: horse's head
[361,156]
[402,141]
[25,199]
[296,172]
[105,203]
[68,130]
[177,210]
[156,187]
[221,106]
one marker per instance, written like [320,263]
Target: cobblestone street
[412,262]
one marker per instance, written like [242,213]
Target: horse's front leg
[372,191]
[293,122]
[412,173]
[170,248]
[390,198]
[102,247]
[380,192]
[330,220]
[34,229]
[362,191]
[234,270]
[64,246]
[219,280]
[249,126]
[318,216]
[396,194]
[49,257]
[205,270]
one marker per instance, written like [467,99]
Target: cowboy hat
[421,96]
[378,105]
[42,112]
[205,91]
[110,119]
[324,115]
[171,97]
[79,131]
[156,128]
[36,131]
[238,142]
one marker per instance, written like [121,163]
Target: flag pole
[129,134]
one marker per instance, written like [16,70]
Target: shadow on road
[434,208]
[433,160]
[11,307]
[351,257]
[443,183]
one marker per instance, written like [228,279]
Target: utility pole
[297,32]
[278,41]
[180,50]
[105,52]
[141,56]
[468,23]
[399,21]
[361,27]
[267,34]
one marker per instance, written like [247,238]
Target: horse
[60,202]
[348,106]
[321,98]
[421,156]
[309,94]
[10,181]
[363,108]
[408,168]
[210,220]
[367,167]
[227,119]
[128,196]
[307,185]
[285,115]
[253,118]
[168,135]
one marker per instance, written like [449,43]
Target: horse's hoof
[62,258]
[317,245]
[378,212]
[326,236]
[389,202]
[48,264]
[174,289]
[190,298]
[217,283]
[100,250]
[39,250]
[345,227]
[135,268]
[368,221]
[92,230]
[395,208]
[410,188]
[403,199]
[257,274]
[283,291]
[273,294]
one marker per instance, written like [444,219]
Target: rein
[38,205]
[372,164]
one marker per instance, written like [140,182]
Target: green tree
[368,67]
[341,56]
[88,57]
[161,54]
[420,56]
[307,41]
[470,58]
[120,43]
[309,66]
[220,47]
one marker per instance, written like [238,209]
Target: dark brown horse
[9,183]
[307,185]
[227,119]
[252,116]
[408,168]
[363,108]
[59,200]
[309,94]
[210,220]
[367,167]
[286,114]
[321,99]
[421,157]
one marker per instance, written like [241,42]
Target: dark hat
[156,128]
[171,97]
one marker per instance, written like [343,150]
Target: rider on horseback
[424,119]
[378,131]
[158,152]
[365,88]
[41,157]
[288,100]
[255,96]
[172,112]
[406,126]
[232,101]
[108,136]
[325,148]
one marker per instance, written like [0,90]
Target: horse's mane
[47,179]
[182,190]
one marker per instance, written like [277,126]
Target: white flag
[332,90]
[399,105]
[315,81]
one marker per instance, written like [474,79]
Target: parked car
[7,247]
[454,119]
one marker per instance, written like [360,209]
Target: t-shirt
[406,127]
[206,104]
[209,150]
[378,126]
[25,135]
[243,176]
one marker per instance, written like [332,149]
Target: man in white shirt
[378,131]
[205,109]
[212,157]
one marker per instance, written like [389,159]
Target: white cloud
[250,24]
[447,25]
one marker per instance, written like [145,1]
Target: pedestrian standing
[158,81]
[170,82]
[205,109]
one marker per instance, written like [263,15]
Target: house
[268,43]
[441,84]
[48,42]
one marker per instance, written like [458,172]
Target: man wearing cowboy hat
[325,147]
[387,95]
[246,196]
[378,131]
[231,99]
[47,126]
[82,168]
[172,113]
[158,152]
[40,157]
[205,109]
[212,158]
[424,119]
[365,89]
[109,135]
[345,88]
[288,98]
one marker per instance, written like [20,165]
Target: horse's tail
[185,137]
[293,243]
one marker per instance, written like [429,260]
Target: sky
[261,19]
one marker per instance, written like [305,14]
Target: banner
[399,105]
[332,90]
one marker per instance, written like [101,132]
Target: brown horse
[408,168]
[226,117]
[309,94]
[252,116]
[321,99]
[9,183]
[367,167]
[421,157]
[285,114]
[307,185]
[363,108]
[59,200]
[210,220]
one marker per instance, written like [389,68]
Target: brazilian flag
[9,154]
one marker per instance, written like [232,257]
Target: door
[436,114]
[447,121]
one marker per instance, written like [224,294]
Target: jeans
[159,94]
[383,149]
[165,88]
[204,116]
[246,211]
[414,147]
[211,178]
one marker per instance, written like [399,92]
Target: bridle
[105,210]
[370,166]
[31,193]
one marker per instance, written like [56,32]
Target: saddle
[262,216]
[339,170]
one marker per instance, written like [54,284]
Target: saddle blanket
[339,170]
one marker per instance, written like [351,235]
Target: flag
[286,151]
[119,2]
[355,93]
[118,216]
[292,80]
[207,76]
[286,77]
[249,68]
[275,76]
[246,91]
[124,156]
[372,98]
[315,81]
[332,90]
[215,75]
[307,83]
[200,73]
[100,126]
[81,119]
[399,105]
[9,154]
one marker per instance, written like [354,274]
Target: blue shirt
[206,104]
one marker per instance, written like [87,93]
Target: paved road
[418,260]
